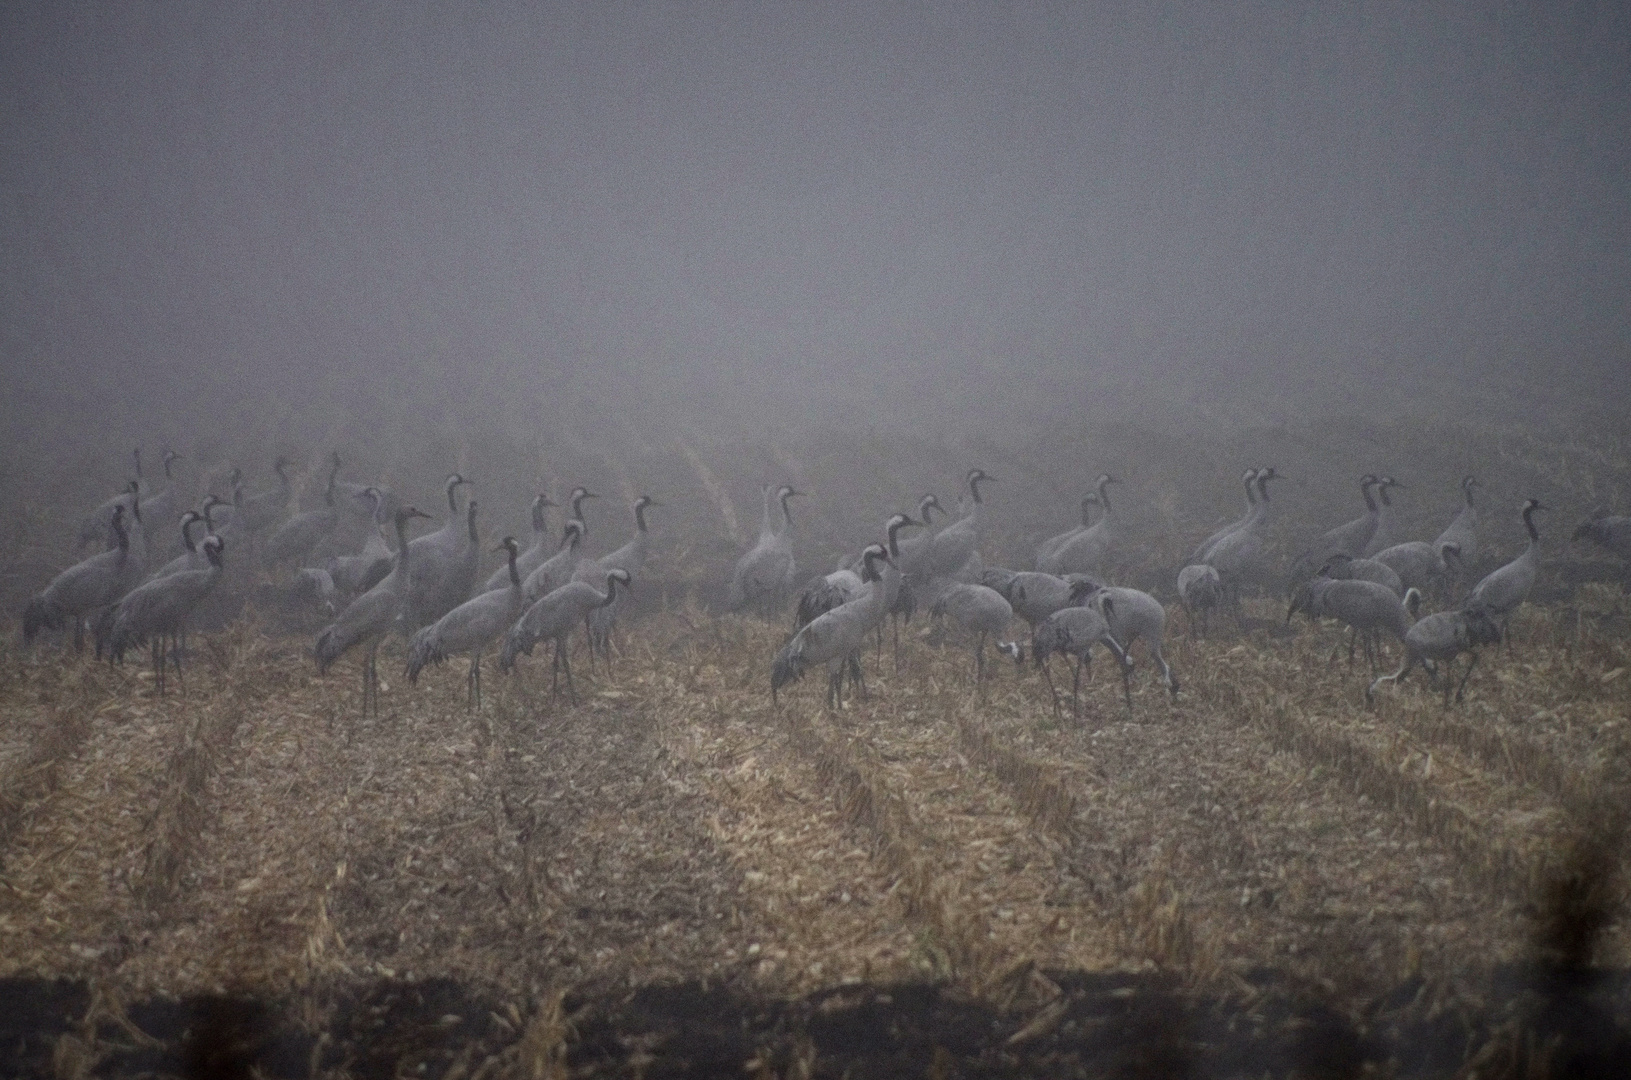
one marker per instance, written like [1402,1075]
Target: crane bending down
[983,611]
[1132,614]
[1440,638]
[367,619]
[470,628]
[1072,632]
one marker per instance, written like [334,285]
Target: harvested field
[677,877]
[252,839]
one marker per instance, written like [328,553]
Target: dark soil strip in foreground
[1098,1025]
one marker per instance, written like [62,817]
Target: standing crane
[763,576]
[470,628]
[367,619]
[535,553]
[631,556]
[835,637]
[157,610]
[89,585]
[554,616]
[1502,591]
[445,562]
[1088,551]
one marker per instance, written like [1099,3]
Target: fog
[754,217]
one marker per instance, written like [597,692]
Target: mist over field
[755,217]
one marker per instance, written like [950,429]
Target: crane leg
[1053,695]
[566,666]
[894,622]
[1472,662]
[979,660]
[1075,689]
[155,649]
[472,680]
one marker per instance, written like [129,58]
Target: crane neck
[470,520]
[1529,524]
[538,525]
[402,539]
[187,524]
[1370,501]
[515,574]
[328,493]
[120,537]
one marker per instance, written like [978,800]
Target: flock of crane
[429,589]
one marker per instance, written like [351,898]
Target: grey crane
[158,505]
[835,637]
[1053,543]
[367,619]
[1200,590]
[445,562]
[91,584]
[952,546]
[296,537]
[157,611]
[96,527]
[1205,547]
[1503,590]
[1240,557]
[1416,563]
[844,584]
[556,570]
[1072,632]
[1461,534]
[982,611]
[631,557]
[1382,537]
[554,616]
[190,558]
[1348,538]
[764,575]
[914,550]
[353,575]
[1132,615]
[1032,594]
[1344,568]
[1091,549]
[1610,532]
[1438,639]
[1365,607]
[535,553]
[257,513]
[470,627]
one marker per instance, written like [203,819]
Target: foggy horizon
[758,217]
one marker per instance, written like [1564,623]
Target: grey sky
[797,209]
